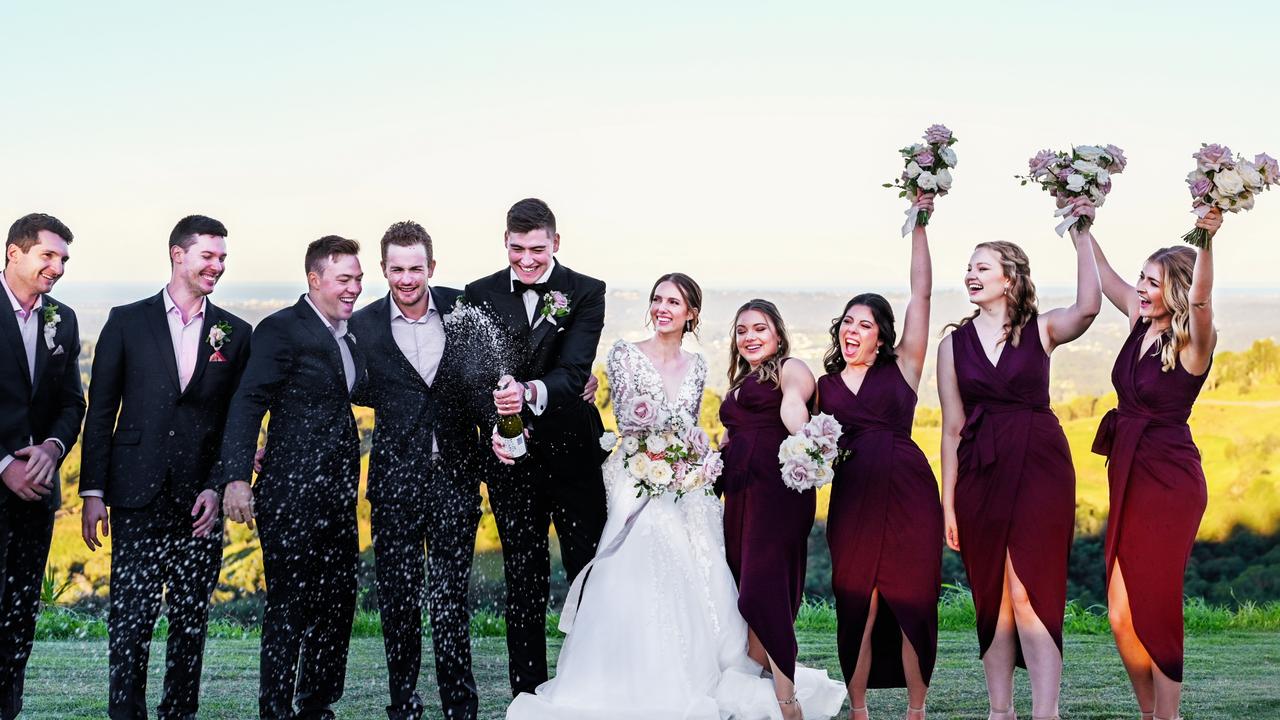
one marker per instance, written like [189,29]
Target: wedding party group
[686,559]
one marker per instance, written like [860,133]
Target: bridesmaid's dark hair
[1022,304]
[692,294]
[1177,265]
[882,312]
[770,370]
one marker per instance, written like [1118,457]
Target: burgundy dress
[1158,492]
[884,527]
[1015,487]
[766,524]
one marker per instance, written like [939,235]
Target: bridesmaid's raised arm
[1204,337]
[915,327]
[798,386]
[1062,325]
[1118,290]
[952,425]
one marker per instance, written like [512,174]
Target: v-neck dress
[884,526]
[1015,485]
[1157,489]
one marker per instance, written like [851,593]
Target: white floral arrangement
[1226,182]
[928,170]
[664,452]
[1084,172]
[809,457]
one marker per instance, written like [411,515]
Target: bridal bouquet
[808,458]
[928,170]
[1084,172]
[1227,183]
[664,452]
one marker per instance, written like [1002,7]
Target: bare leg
[783,687]
[755,649]
[1168,694]
[862,671]
[1044,662]
[1134,656]
[998,662]
[917,690]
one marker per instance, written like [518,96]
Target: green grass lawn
[1229,675]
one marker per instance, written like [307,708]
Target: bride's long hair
[769,371]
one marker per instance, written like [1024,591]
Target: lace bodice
[632,376]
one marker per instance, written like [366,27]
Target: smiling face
[407,270]
[755,337]
[530,253]
[335,288]
[1151,301]
[668,310]
[200,266]
[39,267]
[859,336]
[984,279]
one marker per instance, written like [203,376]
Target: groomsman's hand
[42,460]
[205,512]
[93,514]
[257,458]
[17,479]
[237,502]
[510,398]
[500,448]
[589,392]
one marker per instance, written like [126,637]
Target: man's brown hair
[25,231]
[407,233]
[326,247]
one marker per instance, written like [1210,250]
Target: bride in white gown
[657,634]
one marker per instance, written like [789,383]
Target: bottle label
[515,446]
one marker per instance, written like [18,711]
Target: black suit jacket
[559,353]
[161,431]
[407,411]
[313,448]
[54,405]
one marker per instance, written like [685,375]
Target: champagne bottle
[511,430]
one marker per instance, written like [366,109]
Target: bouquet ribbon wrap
[574,597]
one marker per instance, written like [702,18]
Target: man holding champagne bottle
[552,318]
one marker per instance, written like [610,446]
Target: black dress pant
[26,529]
[309,558]
[154,556]
[442,519]
[526,499]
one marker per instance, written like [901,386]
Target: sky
[743,143]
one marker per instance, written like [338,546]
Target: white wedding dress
[657,634]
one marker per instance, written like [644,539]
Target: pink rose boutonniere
[555,304]
[219,334]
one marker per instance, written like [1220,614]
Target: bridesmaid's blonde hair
[1176,267]
[1021,303]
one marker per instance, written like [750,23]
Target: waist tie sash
[978,430]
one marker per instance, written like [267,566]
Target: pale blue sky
[744,143]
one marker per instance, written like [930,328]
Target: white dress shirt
[185,336]
[422,342]
[29,325]
[339,332]
[531,301]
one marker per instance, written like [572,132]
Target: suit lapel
[387,340]
[311,320]
[212,314]
[164,341]
[12,336]
[42,348]
[545,327]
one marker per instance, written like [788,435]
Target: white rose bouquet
[664,453]
[809,457]
[1084,172]
[928,170]
[1226,182]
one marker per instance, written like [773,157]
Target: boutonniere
[352,336]
[555,304]
[51,320]
[219,334]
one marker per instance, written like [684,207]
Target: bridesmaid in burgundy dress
[1008,485]
[1157,485]
[766,524]
[885,519]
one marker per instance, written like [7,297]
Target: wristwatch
[528,393]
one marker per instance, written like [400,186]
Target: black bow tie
[520,288]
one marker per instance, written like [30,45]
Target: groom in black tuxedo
[423,489]
[164,371]
[553,317]
[303,368]
[41,406]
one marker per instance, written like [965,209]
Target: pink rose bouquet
[928,170]
[809,457]
[1229,183]
[668,454]
[1084,172]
